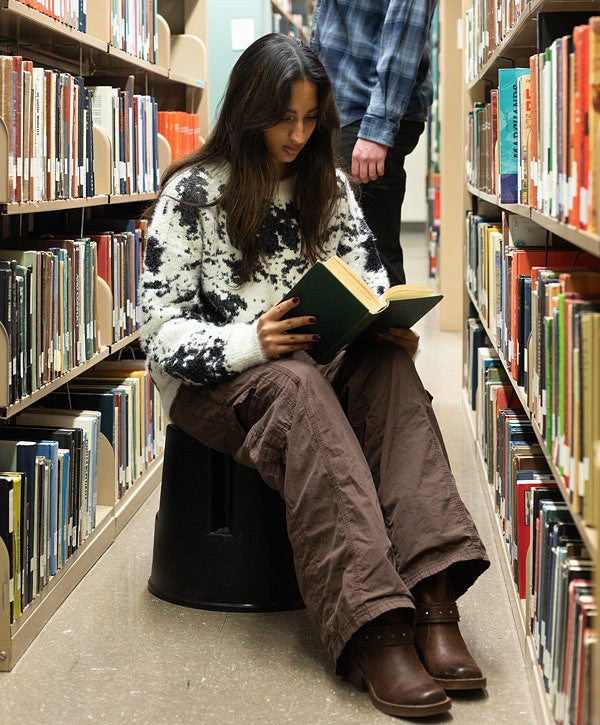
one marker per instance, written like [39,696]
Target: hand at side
[368,160]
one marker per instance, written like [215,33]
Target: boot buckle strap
[385,635]
[437,612]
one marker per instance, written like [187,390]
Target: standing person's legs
[381,200]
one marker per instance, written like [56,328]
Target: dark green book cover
[342,315]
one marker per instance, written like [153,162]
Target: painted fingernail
[316,337]
[295,300]
[312,319]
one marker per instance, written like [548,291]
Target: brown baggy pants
[355,451]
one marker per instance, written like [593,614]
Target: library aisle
[113,653]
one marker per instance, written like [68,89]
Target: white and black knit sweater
[198,324]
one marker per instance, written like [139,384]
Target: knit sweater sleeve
[176,334]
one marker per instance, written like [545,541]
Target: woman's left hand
[408,339]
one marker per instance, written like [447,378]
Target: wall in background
[414,208]
[222,55]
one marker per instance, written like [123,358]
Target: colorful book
[508,132]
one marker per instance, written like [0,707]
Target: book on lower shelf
[346,307]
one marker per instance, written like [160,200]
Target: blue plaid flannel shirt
[377,54]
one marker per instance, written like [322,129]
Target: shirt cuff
[378,130]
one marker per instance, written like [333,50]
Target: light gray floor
[115,654]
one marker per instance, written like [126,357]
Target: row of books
[134,27]
[49,117]
[51,468]
[550,565]
[130,121]
[535,141]
[541,306]
[133,22]
[182,131]
[120,261]
[71,12]
[486,24]
[49,125]
[48,306]
[49,301]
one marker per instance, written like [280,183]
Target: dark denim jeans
[381,200]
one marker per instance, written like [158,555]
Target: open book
[345,306]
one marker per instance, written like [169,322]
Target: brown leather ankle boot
[382,660]
[438,639]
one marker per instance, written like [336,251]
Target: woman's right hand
[277,336]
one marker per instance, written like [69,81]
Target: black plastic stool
[220,540]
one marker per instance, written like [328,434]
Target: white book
[38,170]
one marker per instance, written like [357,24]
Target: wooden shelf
[38,207]
[587,241]
[35,207]
[124,342]
[186,81]
[117,57]
[128,198]
[38,25]
[26,401]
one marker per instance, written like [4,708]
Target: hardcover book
[508,132]
[345,306]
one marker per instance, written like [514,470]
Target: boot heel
[349,671]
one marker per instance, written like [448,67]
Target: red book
[524,525]
[104,246]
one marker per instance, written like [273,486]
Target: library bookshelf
[294,16]
[164,59]
[494,36]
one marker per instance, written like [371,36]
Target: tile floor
[113,653]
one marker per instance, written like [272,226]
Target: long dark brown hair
[256,99]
